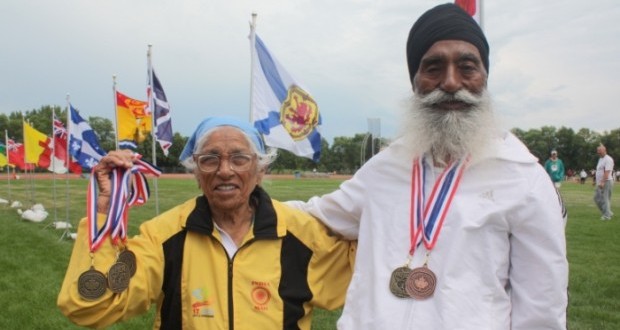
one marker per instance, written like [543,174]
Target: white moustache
[437,96]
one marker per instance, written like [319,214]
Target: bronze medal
[118,277]
[128,258]
[398,281]
[421,283]
[91,284]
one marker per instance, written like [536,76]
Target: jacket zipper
[231,313]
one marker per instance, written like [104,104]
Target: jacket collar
[265,220]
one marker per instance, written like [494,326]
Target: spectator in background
[555,168]
[604,182]
[583,175]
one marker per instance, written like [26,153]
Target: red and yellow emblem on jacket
[299,113]
[261,295]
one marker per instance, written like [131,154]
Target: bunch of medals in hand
[92,284]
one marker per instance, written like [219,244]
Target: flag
[84,146]
[60,156]
[3,160]
[161,112]
[472,7]
[15,155]
[282,110]
[36,147]
[133,122]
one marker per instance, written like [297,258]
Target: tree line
[344,156]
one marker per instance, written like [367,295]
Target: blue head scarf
[213,122]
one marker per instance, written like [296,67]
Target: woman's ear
[259,176]
[197,177]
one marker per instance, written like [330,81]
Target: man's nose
[451,81]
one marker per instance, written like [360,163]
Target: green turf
[33,259]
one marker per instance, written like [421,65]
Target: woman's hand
[114,159]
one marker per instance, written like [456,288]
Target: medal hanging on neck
[122,197]
[426,221]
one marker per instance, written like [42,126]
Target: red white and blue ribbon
[428,214]
[417,206]
[96,235]
[129,187]
[131,193]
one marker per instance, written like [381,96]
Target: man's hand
[114,159]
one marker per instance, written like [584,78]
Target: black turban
[444,22]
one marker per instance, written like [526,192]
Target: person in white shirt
[604,183]
[459,226]
[583,176]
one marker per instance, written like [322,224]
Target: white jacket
[500,259]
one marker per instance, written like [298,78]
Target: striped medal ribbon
[125,193]
[437,205]
[129,187]
[426,220]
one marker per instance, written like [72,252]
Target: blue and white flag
[84,146]
[161,113]
[282,110]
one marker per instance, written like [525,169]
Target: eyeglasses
[238,162]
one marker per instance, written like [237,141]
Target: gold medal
[398,281]
[421,283]
[128,258]
[118,277]
[91,284]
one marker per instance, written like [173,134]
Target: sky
[552,63]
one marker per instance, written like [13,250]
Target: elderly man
[459,227]
[604,182]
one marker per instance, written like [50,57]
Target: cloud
[552,62]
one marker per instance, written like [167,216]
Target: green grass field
[34,258]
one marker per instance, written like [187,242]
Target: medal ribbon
[428,215]
[125,192]
[96,235]
[131,192]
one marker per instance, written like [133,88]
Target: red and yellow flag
[36,146]
[134,124]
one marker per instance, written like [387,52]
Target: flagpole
[53,163]
[153,123]
[67,159]
[8,162]
[481,16]
[30,173]
[252,53]
[114,109]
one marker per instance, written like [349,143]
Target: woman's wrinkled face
[225,188]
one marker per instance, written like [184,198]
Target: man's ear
[413,80]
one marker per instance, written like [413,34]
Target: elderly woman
[229,258]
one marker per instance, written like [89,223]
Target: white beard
[450,135]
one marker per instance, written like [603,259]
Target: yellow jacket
[286,265]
